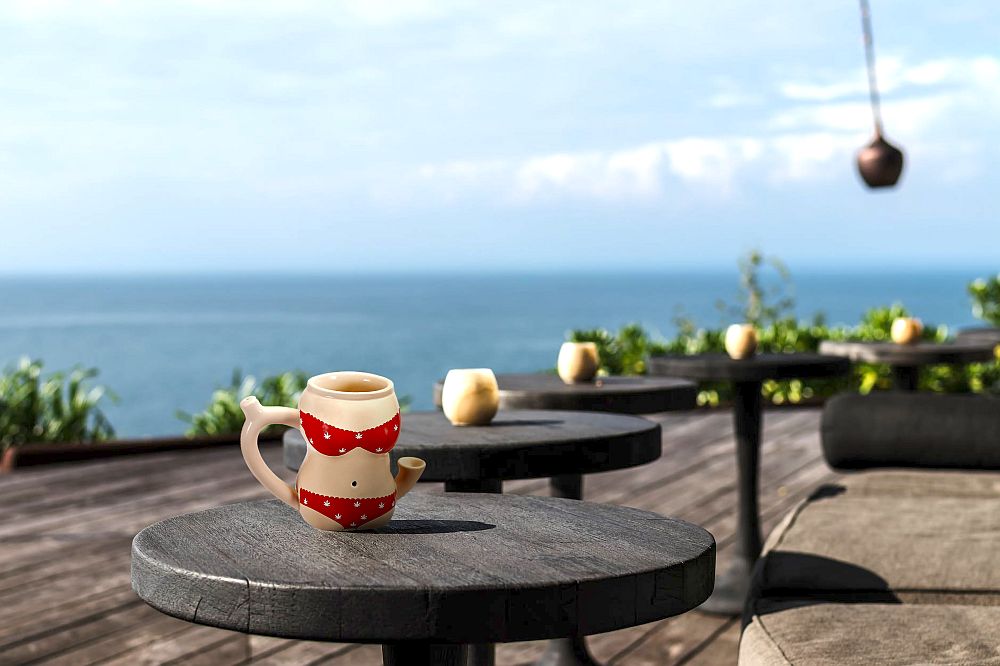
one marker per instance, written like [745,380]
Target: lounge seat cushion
[904,429]
[864,542]
[826,634]
[914,483]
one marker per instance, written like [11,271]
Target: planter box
[31,455]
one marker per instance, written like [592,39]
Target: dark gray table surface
[453,568]
[917,354]
[757,368]
[518,444]
[987,334]
[622,395]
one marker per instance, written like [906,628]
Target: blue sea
[164,343]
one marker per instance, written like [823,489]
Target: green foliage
[779,331]
[760,305]
[62,407]
[986,299]
[624,353]
[223,415]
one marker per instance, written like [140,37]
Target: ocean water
[164,343]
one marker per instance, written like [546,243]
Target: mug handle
[258,418]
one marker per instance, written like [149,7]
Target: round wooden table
[446,572]
[518,444]
[983,334]
[746,376]
[620,395]
[906,360]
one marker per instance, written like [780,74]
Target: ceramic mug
[906,330]
[470,396]
[741,341]
[578,362]
[350,421]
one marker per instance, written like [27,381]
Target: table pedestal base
[569,486]
[474,486]
[905,377]
[732,586]
[419,653]
[731,589]
[567,652]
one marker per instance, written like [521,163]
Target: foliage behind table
[771,310]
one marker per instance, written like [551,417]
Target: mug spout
[250,406]
[410,470]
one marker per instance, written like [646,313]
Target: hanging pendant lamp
[880,163]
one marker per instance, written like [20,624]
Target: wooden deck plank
[65,595]
[775,472]
[185,646]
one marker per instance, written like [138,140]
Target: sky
[290,135]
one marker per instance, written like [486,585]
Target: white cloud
[918,99]
[710,165]
[896,76]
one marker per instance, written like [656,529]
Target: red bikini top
[332,441]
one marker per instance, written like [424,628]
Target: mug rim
[313,384]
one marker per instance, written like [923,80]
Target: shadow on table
[434,526]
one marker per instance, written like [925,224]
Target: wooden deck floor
[65,533]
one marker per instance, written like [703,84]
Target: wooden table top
[757,368]
[518,444]
[621,395]
[920,353]
[984,334]
[448,568]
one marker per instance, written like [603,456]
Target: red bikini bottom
[350,512]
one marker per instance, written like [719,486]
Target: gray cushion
[841,542]
[827,634]
[921,483]
[912,430]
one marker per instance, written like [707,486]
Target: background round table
[746,376]
[518,444]
[447,571]
[983,334]
[620,395]
[906,360]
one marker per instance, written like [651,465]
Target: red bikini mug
[350,421]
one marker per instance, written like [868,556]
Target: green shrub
[986,299]
[622,353]
[62,407]
[771,310]
[223,415]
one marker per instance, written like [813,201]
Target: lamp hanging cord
[866,26]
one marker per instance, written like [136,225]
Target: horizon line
[971,271]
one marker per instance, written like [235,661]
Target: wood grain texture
[620,395]
[520,444]
[757,368]
[920,353]
[448,568]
